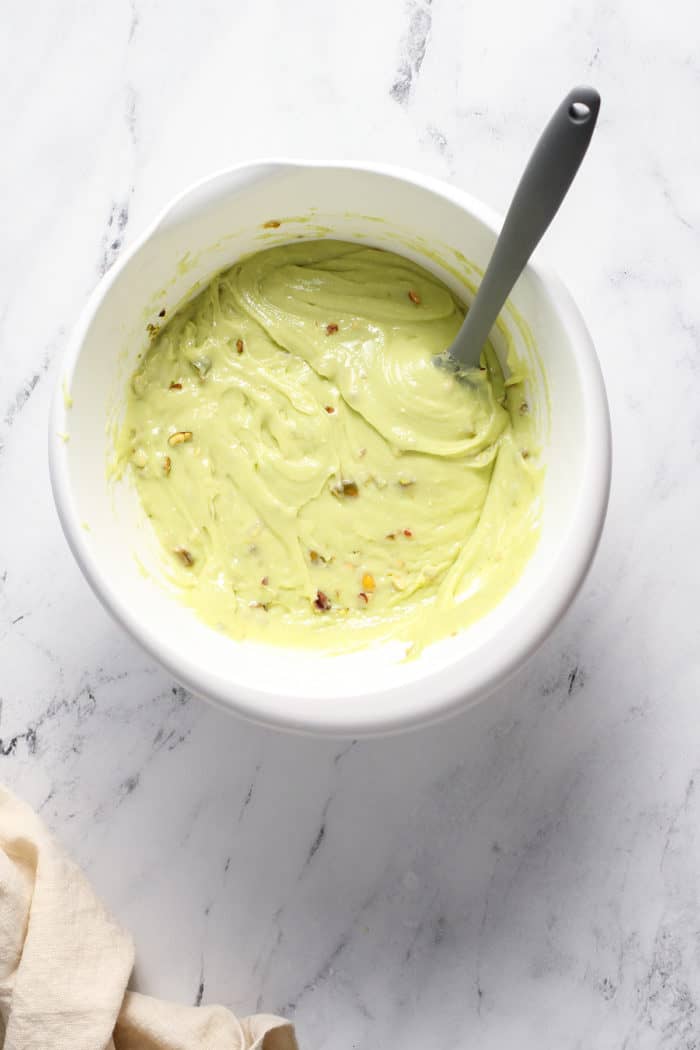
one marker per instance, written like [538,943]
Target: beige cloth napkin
[65,963]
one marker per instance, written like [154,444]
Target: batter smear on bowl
[313,478]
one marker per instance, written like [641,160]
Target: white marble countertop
[528,874]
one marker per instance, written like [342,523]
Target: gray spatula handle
[542,188]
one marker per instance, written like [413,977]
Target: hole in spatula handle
[579,112]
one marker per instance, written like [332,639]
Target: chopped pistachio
[322,601]
[346,488]
[180,437]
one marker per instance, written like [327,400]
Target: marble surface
[528,873]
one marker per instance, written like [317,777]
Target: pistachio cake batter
[313,478]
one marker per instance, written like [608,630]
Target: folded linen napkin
[65,963]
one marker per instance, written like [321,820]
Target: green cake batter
[313,478]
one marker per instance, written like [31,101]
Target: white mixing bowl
[209,227]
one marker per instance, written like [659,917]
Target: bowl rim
[433,697]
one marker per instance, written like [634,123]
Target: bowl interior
[210,228]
